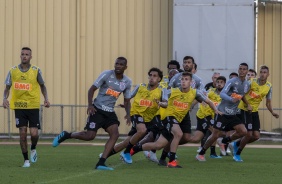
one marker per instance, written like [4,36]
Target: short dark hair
[252,70]
[122,58]
[244,64]
[154,69]
[184,74]
[221,78]
[189,57]
[264,67]
[173,62]
[26,48]
[233,73]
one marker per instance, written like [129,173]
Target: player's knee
[243,132]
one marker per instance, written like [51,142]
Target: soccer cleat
[221,147]
[146,154]
[162,163]
[60,138]
[201,158]
[234,147]
[26,163]
[126,157]
[237,158]
[199,149]
[33,155]
[153,157]
[103,167]
[215,156]
[173,164]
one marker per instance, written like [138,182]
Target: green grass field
[75,164]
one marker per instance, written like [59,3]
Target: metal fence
[73,118]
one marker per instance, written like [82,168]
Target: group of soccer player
[159,112]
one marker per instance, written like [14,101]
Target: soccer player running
[144,112]
[178,105]
[260,88]
[231,95]
[101,112]
[205,115]
[26,81]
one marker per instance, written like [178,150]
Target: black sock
[212,150]
[25,155]
[226,140]
[137,148]
[239,151]
[128,148]
[203,151]
[112,153]
[101,162]
[33,147]
[238,143]
[172,156]
[154,151]
[163,156]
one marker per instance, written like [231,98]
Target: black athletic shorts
[251,120]
[27,118]
[101,119]
[185,124]
[151,126]
[226,122]
[204,124]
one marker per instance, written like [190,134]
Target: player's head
[251,74]
[194,69]
[263,72]
[188,62]
[233,74]
[215,76]
[173,64]
[155,75]
[120,65]
[26,55]
[220,82]
[172,72]
[243,70]
[186,80]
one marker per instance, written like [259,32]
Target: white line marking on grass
[85,174]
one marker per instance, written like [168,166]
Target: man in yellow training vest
[260,88]
[25,81]
[176,122]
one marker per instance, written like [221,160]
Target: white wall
[219,34]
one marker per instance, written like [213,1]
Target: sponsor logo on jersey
[22,86]
[112,92]
[20,104]
[180,105]
[146,103]
[236,96]
[254,95]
